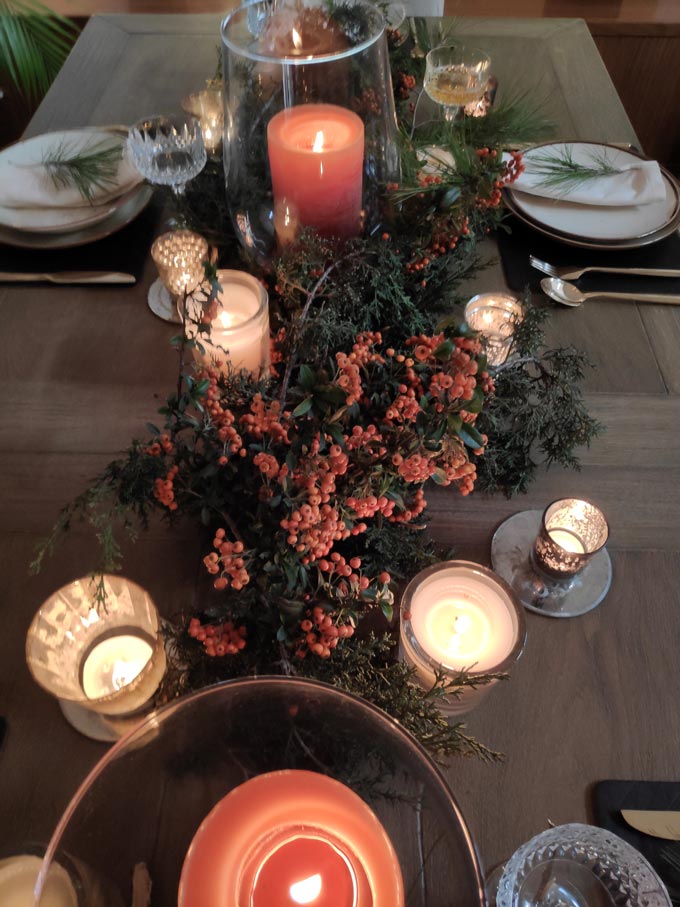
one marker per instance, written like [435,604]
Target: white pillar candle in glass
[495,316]
[239,335]
[459,616]
[113,663]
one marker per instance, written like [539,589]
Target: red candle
[291,838]
[316,156]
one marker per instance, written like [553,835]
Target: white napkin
[637,183]
[25,183]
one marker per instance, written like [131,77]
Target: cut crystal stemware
[168,150]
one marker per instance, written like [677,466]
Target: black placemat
[126,250]
[610,797]
[521,241]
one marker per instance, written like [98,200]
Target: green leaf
[151,428]
[303,407]
[477,403]
[386,609]
[306,378]
[469,435]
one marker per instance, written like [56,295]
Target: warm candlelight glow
[297,40]
[306,890]
[495,316]
[459,616]
[113,664]
[291,838]
[226,320]
[316,155]
[318,143]
[567,540]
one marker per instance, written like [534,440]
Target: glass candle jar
[310,123]
[459,616]
[495,316]
[571,532]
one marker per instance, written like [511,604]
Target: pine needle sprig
[93,168]
[559,170]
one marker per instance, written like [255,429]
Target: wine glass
[579,866]
[455,76]
[168,150]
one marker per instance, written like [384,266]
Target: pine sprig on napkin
[90,169]
[560,171]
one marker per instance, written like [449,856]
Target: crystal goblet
[579,866]
[455,76]
[168,150]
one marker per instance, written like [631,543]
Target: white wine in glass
[455,76]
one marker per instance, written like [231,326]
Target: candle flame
[297,40]
[124,672]
[306,890]
[318,142]
[226,320]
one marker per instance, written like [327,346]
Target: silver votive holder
[100,652]
[556,561]
[179,257]
[495,316]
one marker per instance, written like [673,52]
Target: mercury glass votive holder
[571,532]
[103,658]
[495,316]
[179,257]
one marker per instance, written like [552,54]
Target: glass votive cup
[239,334]
[571,532]
[495,316]
[102,659]
[208,108]
[179,257]
[459,616]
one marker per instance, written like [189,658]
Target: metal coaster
[511,558]
[161,302]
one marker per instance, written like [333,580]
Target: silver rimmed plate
[134,204]
[597,226]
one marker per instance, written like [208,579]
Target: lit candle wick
[226,320]
[461,624]
[306,890]
[317,147]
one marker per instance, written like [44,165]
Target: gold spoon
[566,293]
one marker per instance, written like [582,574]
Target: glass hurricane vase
[310,124]
[201,756]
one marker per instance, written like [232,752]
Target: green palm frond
[34,42]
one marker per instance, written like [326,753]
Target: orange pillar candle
[289,838]
[316,156]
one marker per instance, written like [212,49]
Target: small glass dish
[578,865]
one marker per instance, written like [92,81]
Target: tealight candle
[208,108]
[113,663]
[571,532]
[459,616]
[103,664]
[179,257]
[316,155]
[288,838]
[239,335]
[495,316]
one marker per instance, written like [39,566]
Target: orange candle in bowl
[289,838]
[316,156]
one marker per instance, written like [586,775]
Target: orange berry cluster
[164,489]
[218,639]
[162,445]
[321,634]
[406,85]
[229,563]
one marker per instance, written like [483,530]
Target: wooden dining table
[83,369]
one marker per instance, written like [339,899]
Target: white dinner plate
[62,210]
[597,226]
[134,204]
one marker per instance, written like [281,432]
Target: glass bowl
[579,866]
[145,800]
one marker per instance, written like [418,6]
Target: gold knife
[65,277]
[659,823]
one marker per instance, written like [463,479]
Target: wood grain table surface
[83,369]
